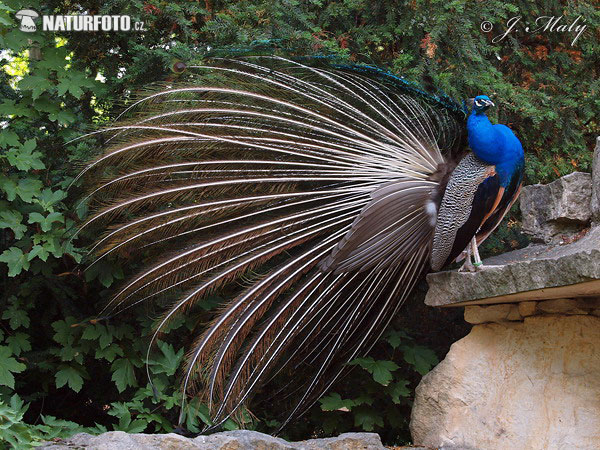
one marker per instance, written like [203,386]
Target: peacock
[317,193]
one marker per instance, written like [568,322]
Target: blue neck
[495,145]
[482,138]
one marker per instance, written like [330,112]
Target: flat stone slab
[538,272]
[227,440]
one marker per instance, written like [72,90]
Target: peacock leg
[468,265]
[477,263]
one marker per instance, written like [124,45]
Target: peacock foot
[468,267]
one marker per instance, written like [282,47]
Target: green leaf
[129,426]
[8,138]
[9,186]
[38,251]
[38,85]
[26,188]
[123,374]
[10,108]
[64,330]
[98,332]
[18,343]
[109,353]
[334,402]
[397,390]
[12,219]
[381,369]
[91,332]
[367,418]
[105,271]
[46,222]
[73,83]
[24,158]
[16,317]
[16,261]
[421,358]
[395,337]
[230,425]
[54,59]
[63,117]
[169,362]
[69,375]
[48,198]
[8,366]
[68,353]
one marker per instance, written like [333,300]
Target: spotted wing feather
[469,197]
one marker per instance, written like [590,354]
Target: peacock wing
[472,194]
[509,197]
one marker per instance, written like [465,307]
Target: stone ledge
[228,440]
[538,272]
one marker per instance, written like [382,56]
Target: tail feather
[318,177]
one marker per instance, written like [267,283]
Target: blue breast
[496,145]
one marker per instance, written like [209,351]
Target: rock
[596,183]
[519,385]
[513,314]
[538,272]
[346,441]
[588,303]
[123,441]
[558,208]
[229,440]
[560,306]
[527,308]
[241,439]
[494,313]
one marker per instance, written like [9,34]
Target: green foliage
[20,435]
[56,358]
[375,396]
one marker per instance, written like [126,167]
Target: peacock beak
[489,103]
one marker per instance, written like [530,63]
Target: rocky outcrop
[558,209]
[533,384]
[596,184]
[555,212]
[229,440]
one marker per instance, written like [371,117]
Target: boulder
[596,184]
[557,210]
[228,440]
[521,385]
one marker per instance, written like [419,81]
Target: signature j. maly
[552,24]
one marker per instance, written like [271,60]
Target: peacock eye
[478,103]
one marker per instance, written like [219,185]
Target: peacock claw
[468,267]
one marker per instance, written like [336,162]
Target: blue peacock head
[481,103]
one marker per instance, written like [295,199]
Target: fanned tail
[318,178]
